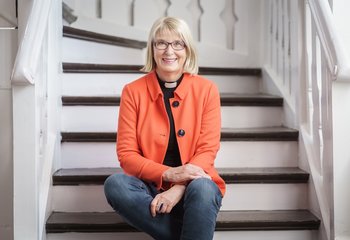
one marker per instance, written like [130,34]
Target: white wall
[8,47]
[342,19]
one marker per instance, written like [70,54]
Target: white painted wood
[99,236]
[225,57]
[91,52]
[105,119]
[247,29]
[219,235]
[95,84]
[180,9]
[109,28]
[265,235]
[341,159]
[112,84]
[8,45]
[88,155]
[91,198]
[231,154]
[119,12]
[146,12]
[87,8]
[28,55]
[212,28]
[25,158]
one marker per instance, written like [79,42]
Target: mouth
[169,60]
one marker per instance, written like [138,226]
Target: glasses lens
[161,45]
[176,45]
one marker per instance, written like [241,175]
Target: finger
[168,209]
[160,207]
[153,207]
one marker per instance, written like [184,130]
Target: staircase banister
[330,39]
[30,45]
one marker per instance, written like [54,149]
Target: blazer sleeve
[209,140]
[128,150]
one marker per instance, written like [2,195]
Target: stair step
[102,84]
[114,68]
[79,176]
[102,38]
[227,99]
[232,154]
[60,222]
[227,134]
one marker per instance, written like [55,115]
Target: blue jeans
[194,217]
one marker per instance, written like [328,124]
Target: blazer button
[175,104]
[181,133]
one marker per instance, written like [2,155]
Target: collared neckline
[156,91]
[169,85]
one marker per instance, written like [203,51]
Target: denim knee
[117,189]
[203,191]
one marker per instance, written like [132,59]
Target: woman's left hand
[165,201]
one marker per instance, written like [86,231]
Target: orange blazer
[143,128]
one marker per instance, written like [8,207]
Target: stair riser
[90,198]
[91,52]
[225,235]
[99,84]
[105,118]
[231,154]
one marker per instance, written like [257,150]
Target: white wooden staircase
[258,157]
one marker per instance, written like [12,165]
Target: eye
[178,44]
[161,44]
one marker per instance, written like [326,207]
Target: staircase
[267,194]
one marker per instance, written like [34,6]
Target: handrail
[330,39]
[30,46]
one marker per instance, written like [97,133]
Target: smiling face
[169,62]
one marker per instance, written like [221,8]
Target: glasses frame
[169,43]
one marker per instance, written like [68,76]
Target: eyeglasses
[176,45]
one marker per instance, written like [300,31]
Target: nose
[169,50]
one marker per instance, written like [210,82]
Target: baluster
[181,9]
[146,12]
[229,17]
[270,32]
[286,40]
[117,11]
[86,8]
[212,28]
[274,35]
[280,46]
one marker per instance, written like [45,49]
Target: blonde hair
[179,27]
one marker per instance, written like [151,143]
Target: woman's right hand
[184,173]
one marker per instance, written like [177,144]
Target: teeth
[169,60]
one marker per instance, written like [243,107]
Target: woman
[168,137]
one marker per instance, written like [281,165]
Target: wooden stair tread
[60,222]
[97,176]
[227,134]
[102,38]
[115,68]
[227,99]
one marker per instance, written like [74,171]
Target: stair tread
[102,38]
[59,222]
[227,134]
[97,176]
[227,99]
[117,68]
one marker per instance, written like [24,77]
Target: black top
[172,157]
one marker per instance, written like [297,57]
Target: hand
[184,173]
[165,201]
